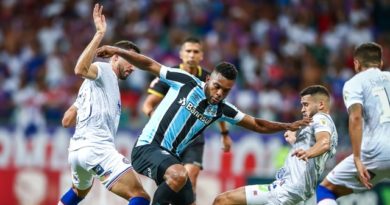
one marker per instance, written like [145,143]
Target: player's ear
[381,65]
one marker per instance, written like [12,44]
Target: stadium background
[279,47]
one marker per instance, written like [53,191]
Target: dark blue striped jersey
[160,88]
[184,112]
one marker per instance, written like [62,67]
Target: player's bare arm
[84,66]
[138,60]
[321,146]
[225,137]
[355,113]
[69,119]
[265,126]
[150,104]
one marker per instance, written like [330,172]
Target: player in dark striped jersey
[191,54]
[188,108]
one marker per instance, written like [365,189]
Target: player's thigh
[110,167]
[344,174]
[260,194]
[193,154]
[153,161]
[81,178]
[270,195]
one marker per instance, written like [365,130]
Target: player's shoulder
[322,118]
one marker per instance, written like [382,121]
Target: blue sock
[138,201]
[324,193]
[70,198]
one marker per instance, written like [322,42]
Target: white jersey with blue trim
[371,89]
[184,112]
[301,177]
[98,110]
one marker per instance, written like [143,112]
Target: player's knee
[176,176]
[81,193]
[139,193]
[221,199]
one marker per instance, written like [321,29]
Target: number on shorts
[382,94]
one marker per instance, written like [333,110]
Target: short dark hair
[192,39]
[128,45]
[368,54]
[227,70]
[315,89]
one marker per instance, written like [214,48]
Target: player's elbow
[79,72]
[147,109]
[66,123]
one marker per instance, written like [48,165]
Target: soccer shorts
[106,164]
[152,161]
[345,173]
[272,194]
[193,154]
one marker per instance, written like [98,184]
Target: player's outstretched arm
[138,60]
[69,119]
[265,126]
[84,67]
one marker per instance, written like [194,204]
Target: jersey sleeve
[321,123]
[174,77]
[231,114]
[352,93]
[103,72]
[158,87]
[77,103]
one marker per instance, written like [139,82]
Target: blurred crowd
[279,47]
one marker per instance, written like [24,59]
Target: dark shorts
[152,161]
[193,154]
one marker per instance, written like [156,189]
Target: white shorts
[345,173]
[272,194]
[106,164]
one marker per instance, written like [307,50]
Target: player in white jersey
[366,96]
[92,151]
[312,146]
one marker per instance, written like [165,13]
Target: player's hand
[106,51]
[226,143]
[364,175]
[99,19]
[290,136]
[300,123]
[301,154]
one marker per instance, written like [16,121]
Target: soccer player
[312,146]
[92,151]
[191,54]
[188,108]
[366,96]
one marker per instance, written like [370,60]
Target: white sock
[327,202]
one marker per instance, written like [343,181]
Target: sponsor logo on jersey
[190,107]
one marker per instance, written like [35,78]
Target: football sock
[163,195]
[138,201]
[325,196]
[70,198]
